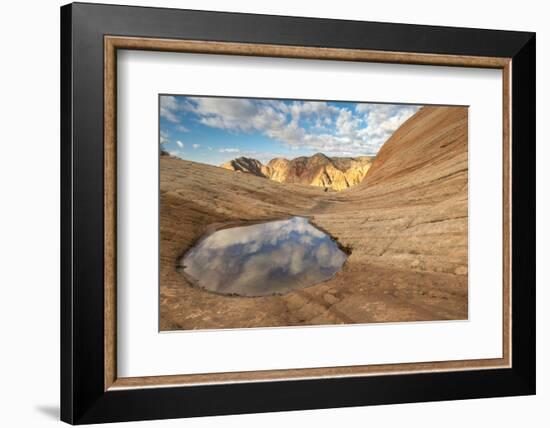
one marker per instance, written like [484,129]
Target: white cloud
[362,107]
[383,120]
[196,146]
[229,150]
[164,137]
[347,123]
[171,109]
[180,144]
[226,113]
[168,108]
[354,129]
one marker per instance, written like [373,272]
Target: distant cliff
[336,173]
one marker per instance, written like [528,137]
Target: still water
[263,259]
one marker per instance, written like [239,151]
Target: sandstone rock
[335,173]
[461,270]
[330,299]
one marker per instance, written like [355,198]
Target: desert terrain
[405,223]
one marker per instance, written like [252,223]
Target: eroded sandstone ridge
[336,173]
[406,224]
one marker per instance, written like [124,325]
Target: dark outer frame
[83,396]
[114,43]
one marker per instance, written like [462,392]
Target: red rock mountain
[336,173]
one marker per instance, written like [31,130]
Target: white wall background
[29,213]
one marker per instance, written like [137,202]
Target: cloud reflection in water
[263,259]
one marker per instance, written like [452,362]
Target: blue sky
[214,130]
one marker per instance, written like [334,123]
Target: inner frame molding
[113,43]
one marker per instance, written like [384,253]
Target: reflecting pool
[263,259]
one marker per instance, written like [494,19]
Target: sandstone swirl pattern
[406,224]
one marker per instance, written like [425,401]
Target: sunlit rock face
[263,259]
[335,173]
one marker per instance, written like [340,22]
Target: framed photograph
[266,213]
